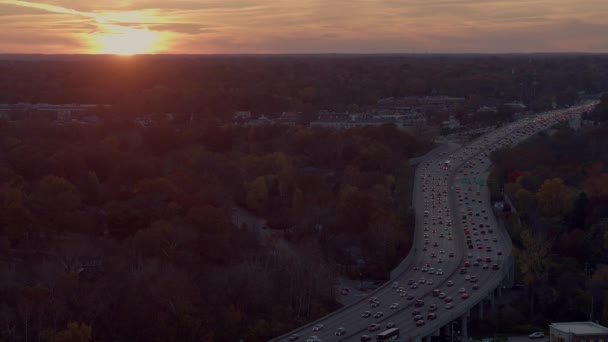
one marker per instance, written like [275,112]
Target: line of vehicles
[457,247]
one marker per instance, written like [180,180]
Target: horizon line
[304,53]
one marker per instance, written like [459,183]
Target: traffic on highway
[459,254]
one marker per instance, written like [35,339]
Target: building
[452,123]
[289,118]
[515,105]
[578,332]
[380,117]
[240,117]
[263,120]
[62,113]
[487,109]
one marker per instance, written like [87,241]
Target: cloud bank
[312,26]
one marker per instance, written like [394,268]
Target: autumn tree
[75,332]
[533,262]
[257,194]
[56,200]
[555,198]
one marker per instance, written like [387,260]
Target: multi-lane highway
[459,255]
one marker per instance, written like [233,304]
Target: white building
[578,332]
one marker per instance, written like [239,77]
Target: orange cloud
[285,26]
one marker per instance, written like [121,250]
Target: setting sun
[120,40]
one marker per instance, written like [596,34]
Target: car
[439,270]
[442,295]
[463,271]
[450,283]
[449,306]
[464,296]
[473,279]
[431,316]
[390,325]
[373,327]
[413,286]
[366,314]
[294,337]
[395,285]
[467,277]
[495,267]
[538,334]
[394,306]
[365,338]
[432,307]
[451,254]
[378,314]
[373,299]
[344,291]
[435,292]
[462,290]
[429,282]
[409,297]
[485,266]
[416,312]
[421,280]
[419,303]
[313,338]
[448,299]
[317,327]
[419,323]
[341,331]
[475,287]
[375,304]
[417,318]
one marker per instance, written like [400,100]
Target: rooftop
[580,328]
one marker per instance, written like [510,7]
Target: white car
[394,306]
[317,327]
[538,334]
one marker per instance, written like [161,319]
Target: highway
[459,255]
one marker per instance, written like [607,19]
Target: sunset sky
[302,26]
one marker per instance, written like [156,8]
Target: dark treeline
[120,233]
[220,85]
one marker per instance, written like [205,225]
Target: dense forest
[558,185]
[218,85]
[117,232]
